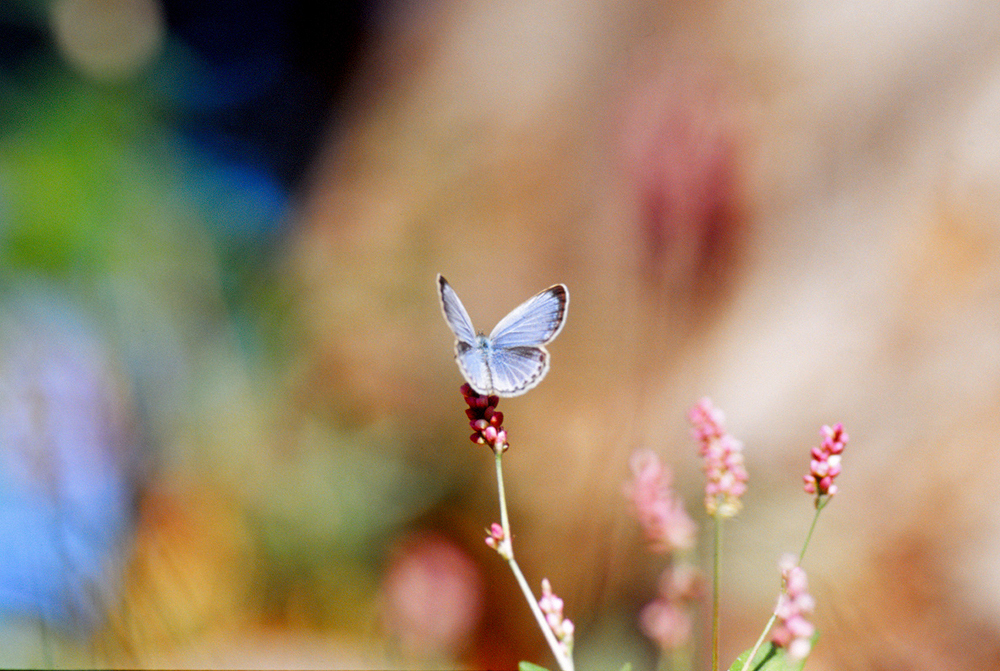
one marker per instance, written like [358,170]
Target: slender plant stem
[504,520]
[774,615]
[677,660]
[760,641]
[716,582]
[819,507]
[565,661]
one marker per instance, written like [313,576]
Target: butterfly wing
[472,361]
[516,356]
[515,370]
[470,349]
[454,313]
[535,322]
[513,359]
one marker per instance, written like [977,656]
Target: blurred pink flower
[679,148]
[792,630]
[431,596]
[666,623]
[552,606]
[682,582]
[660,512]
[725,476]
[667,619]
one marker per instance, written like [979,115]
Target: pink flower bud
[485,420]
[825,465]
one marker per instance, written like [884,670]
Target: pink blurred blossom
[667,619]
[679,148]
[667,624]
[725,476]
[792,630]
[431,596]
[660,512]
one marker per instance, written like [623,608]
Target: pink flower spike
[660,512]
[725,475]
[824,464]
[485,420]
[552,607]
[792,630]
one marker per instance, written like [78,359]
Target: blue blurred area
[149,152]
[67,476]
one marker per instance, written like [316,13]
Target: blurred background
[230,427]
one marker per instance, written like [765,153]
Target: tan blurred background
[789,207]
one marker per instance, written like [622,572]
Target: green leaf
[769,658]
[528,666]
[627,666]
[765,653]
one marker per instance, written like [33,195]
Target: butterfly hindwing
[515,370]
[472,362]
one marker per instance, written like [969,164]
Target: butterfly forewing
[534,322]
[455,314]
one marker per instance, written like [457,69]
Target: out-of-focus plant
[665,523]
[792,634]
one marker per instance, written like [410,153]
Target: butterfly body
[512,359]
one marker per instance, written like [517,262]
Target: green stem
[760,641]
[774,616]
[507,552]
[677,660]
[504,520]
[819,507]
[716,581]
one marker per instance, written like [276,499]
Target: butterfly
[513,359]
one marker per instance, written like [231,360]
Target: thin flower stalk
[505,549]
[725,482]
[793,630]
[487,425]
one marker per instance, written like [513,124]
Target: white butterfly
[513,359]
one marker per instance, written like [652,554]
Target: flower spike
[726,477]
[484,418]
